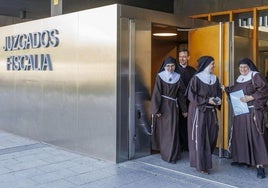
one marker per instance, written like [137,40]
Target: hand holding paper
[239,107]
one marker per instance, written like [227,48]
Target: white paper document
[239,107]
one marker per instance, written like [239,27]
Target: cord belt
[167,97]
[170,98]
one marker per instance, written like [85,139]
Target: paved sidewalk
[25,163]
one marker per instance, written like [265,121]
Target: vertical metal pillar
[56,7]
[132,102]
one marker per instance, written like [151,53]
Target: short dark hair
[184,50]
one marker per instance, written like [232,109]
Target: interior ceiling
[181,37]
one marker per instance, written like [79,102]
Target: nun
[249,140]
[204,93]
[167,97]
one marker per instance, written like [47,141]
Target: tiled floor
[25,163]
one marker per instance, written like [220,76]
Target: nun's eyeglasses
[170,66]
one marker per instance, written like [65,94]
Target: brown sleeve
[181,97]
[156,96]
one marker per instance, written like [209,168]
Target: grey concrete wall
[159,5]
[193,7]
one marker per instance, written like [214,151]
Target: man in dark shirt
[186,73]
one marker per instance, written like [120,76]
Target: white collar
[242,79]
[168,77]
[207,77]
[184,66]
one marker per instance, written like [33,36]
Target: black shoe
[235,163]
[245,165]
[204,172]
[240,164]
[260,173]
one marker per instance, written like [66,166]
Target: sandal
[204,172]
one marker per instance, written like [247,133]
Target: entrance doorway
[145,54]
[214,40]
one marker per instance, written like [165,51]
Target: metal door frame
[139,76]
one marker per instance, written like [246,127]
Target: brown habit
[202,123]
[249,142]
[166,133]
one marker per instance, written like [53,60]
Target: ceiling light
[185,29]
[164,34]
